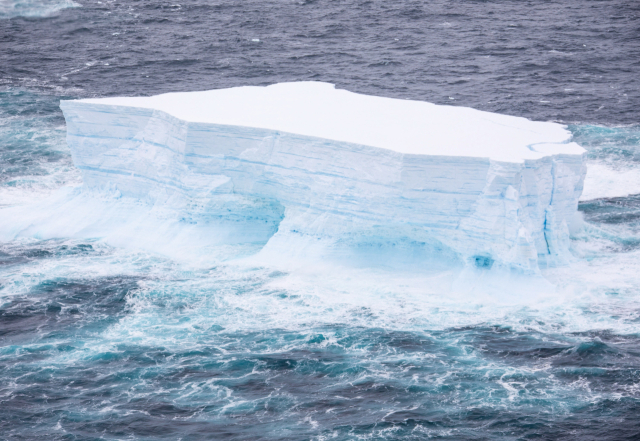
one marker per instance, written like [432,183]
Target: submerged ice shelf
[314,169]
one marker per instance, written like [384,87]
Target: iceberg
[313,171]
[33,8]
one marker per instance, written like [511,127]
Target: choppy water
[98,342]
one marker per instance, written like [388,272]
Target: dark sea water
[98,342]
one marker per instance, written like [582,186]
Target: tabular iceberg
[311,167]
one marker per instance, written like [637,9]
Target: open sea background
[98,342]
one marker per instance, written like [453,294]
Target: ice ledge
[320,110]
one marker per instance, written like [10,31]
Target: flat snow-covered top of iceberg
[319,110]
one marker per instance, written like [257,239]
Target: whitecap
[609,180]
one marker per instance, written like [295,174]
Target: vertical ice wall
[512,212]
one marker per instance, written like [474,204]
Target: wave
[613,160]
[242,349]
[34,157]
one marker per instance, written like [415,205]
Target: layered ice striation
[316,169]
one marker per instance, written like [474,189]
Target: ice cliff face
[319,170]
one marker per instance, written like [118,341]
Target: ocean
[102,342]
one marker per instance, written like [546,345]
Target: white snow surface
[320,110]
